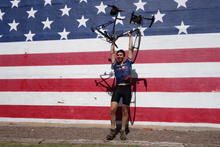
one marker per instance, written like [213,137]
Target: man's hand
[129,34]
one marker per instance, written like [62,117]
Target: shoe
[111,135]
[123,135]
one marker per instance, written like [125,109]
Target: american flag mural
[50,61]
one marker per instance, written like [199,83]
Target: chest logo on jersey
[121,67]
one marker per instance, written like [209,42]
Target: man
[122,69]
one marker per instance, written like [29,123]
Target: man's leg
[125,111]
[126,106]
[113,109]
[125,116]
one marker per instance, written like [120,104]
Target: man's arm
[130,46]
[113,53]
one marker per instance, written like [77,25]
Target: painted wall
[176,75]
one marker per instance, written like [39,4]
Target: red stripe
[89,85]
[180,55]
[86,58]
[185,115]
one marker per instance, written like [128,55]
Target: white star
[120,20]
[99,35]
[31,13]
[47,2]
[182,28]
[82,21]
[1,36]
[181,3]
[65,10]
[142,29]
[29,36]
[101,8]
[1,14]
[140,5]
[83,1]
[15,3]
[13,25]
[47,23]
[63,34]
[159,16]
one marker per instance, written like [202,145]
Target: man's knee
[113,110]
[125,110]
[113,107]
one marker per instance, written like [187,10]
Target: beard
[120,59]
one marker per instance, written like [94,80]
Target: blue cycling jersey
[122,71]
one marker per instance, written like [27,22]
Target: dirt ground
[83,134]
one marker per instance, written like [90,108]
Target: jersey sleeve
[113,65]
[129,61]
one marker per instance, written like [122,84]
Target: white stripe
[205,69]
[95,122]
[90,45]
[142,99]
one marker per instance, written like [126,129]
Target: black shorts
[123,92]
